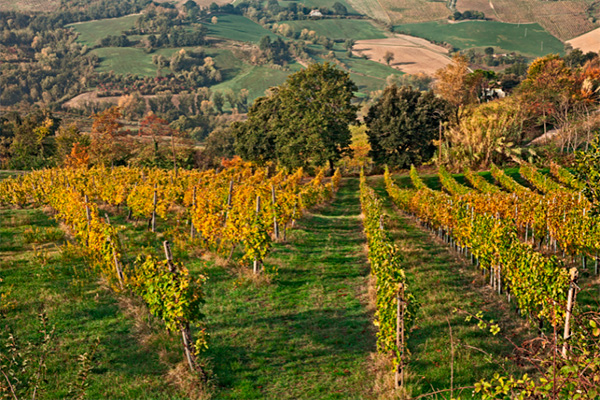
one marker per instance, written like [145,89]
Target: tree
[71,144]
[452,84]
[339,8]
[107,145]
[489,51]
[486,134]
[218,100]
[403,124]
[349,44]
[303,122]
[388,57]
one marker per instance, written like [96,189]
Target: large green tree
[403,124]
[303,122]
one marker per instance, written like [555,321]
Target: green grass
[528,39]
[8,174]
[256,79]
[125,60]
[41,278]
[308,334]
[366,74]
[237,27]
[313,4]
[433,181]
[339,28]
[91,32]
[441,283]
[367,67]
[131,60]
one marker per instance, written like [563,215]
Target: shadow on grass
[309,334]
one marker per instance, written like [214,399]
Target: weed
[43,235]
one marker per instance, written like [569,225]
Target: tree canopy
[403,124]
[304,122]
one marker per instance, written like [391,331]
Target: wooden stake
[400,304]
[169,256]
[186,337]
[154,201]
[256,264]
[192,229]
[275,224]
[570,303]
[229,195]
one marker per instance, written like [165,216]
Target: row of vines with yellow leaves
[386,265]
[538,283]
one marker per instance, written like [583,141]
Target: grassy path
[441,282]
[308,334]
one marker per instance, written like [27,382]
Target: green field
[528,39]
[125,60]
[314,4]
[339,28]
[236,27]
[368,75]
[256,79]
[91,32]
[130,60]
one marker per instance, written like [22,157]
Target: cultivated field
[237,27]
[91,32]
[371,8]
[410,56]
[339,28]
[325,3]
[256,79]
[29,5]
[563,19]
[125,60]
[527,39]
[587,42]
[402,11]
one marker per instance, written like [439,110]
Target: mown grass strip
[443,283]
[308,334]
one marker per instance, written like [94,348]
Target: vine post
[229,195]
[154,201]
[88,215]
[570,303]
[400,335]
[192,229]
[275,224]
[256,264]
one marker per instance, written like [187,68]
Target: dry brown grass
[587,42]
[191,384]
[563,19]
[29,5]
[411,55]
[409,11]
